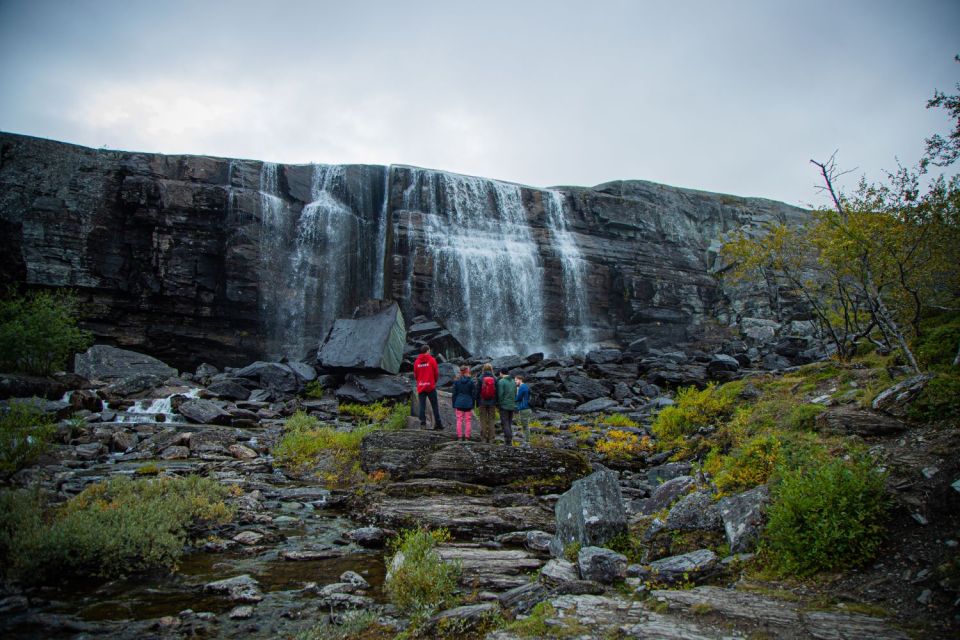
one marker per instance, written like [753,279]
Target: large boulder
[743,516]
[590,513]
[585,388]
[366,389]
[276,376]
[413,453]
[371,343]
[109,364]
[203,412]
[601,565]
[896,400]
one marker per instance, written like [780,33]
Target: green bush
[39,333]
[418,581]
[938,346]
[110,529]
[693,410]
[617,420]
[25,433]
[939,400]
[803,417]
[313,389]
[825,518]
[748,466]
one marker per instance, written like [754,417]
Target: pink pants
[463,416]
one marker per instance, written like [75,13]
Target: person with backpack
[523,407]
[463,401]
[426,371]
[485,396]
[507,401]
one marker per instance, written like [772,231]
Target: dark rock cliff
[193,258]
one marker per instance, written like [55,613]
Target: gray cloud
[724,96]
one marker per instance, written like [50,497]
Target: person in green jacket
[507,402]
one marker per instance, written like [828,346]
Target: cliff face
[193,258]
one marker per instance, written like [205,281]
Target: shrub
[110,529]
[39,333]
[694,409]
[622,445]
[939,400]
[617,420]
[25,433]
[748,466]
[375,412]
[418,581]
[825,517]
[802,417]
[938,346]
[313,389]
[352,625]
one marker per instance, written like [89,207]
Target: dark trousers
[506,423]
[437,423]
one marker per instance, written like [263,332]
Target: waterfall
[487,281]
[275,287]
[576,313]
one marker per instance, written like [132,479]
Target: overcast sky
[728,96]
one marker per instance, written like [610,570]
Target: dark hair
[425,349]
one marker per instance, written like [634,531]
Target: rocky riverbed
[296,552]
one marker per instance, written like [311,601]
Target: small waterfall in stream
[487,282]
[576,319]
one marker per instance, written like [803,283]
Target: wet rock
[368,537]
[508,363]
[597,405]
[558,571]
[743,517]
[366,389]
[561,405]
[274,376]
[585,388]
[464,618]
[131,386]
[896,399]
[424,454]
[493,569]
[229,389]
[664,495]
[590,513]
[346,601]
[354,578]
[102,362]
[694,511]
[248,538]
[84,399]
[337,587]
[242,588]
[603,356]
[307,555]
[852,421]
[242,452]
[688,567]
[14,385]
[203,412]
[56,409]
[371,342]
[123,441]
[601,565]
[243,612]
[175,453]
[522,599]
[89,451]
[13,604]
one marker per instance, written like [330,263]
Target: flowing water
[487,283]
[576,312]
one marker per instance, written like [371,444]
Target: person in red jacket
[426,371]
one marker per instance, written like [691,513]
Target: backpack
[488,388]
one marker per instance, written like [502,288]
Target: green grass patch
[25,433]
[939,400]
[419,583]
[693,409]
[375,412]
[114,528]
[313,389]
[617,420]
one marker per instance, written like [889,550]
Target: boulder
[139,383]
[559,571]
[597,405]
[275,376]
[14,385]
[603,356]
[56,409]
[561,405]
[590,513]
[464,618]
[242,588]
[896,400]
[106,363]
[601,565]
[203,412]
[664,495]
[585,388]
[742,516]
[508,363]
[852,421]
[447,414]
[427,454]
[466,514]
[694,512]
[368,537]
[366,389]
[688,567]
[669,471]
[228,389]
[722,366]
[370,343]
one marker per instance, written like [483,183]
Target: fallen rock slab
[370,343]
[491,569]
[106,363]
[851,421]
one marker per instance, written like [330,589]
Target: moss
[939,400]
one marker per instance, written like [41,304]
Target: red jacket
[427,373]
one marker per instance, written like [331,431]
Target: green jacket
[507,394]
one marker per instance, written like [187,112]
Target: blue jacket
[463,391]
[523,397]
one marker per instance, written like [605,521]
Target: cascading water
[576,323]
[276,285]
[487,282]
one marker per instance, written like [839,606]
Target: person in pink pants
[463,388]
